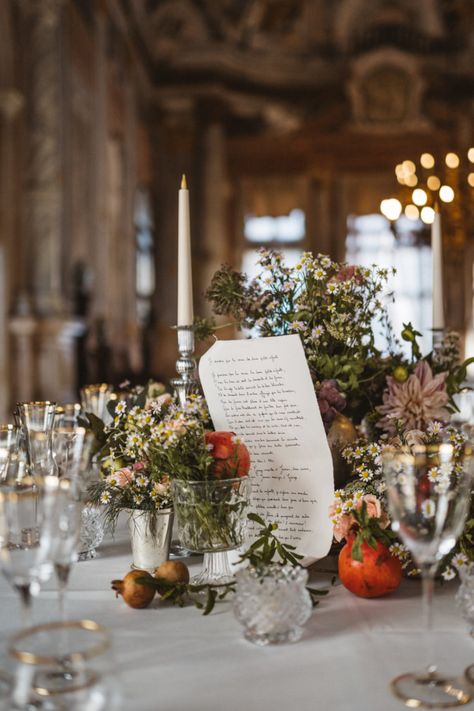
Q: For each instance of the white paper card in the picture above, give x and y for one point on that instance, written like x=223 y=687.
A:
x=261 y=389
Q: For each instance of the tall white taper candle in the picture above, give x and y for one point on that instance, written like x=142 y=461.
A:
x=437 y=254
x=185 y=277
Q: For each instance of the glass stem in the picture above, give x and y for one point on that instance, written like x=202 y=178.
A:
x=26 y=597
x=62 y=573
x=428 y=573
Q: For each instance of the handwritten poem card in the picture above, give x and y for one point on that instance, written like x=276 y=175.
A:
x=261 y=389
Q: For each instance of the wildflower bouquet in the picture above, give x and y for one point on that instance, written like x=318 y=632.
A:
x=150 y=440
x=367 y=489
x=331 y=305
x=336 y=308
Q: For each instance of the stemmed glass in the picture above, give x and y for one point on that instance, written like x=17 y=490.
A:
x=28 y=519
x=9 y=443
x=37 y=420
x=63 y=665
x=68 y=451
x=428 y=490
x=212 y=520
x=95 y=398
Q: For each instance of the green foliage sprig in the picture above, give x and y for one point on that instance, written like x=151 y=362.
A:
x=265 y=550
x=369 y=532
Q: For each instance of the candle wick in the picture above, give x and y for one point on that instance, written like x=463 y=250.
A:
x=184 y=183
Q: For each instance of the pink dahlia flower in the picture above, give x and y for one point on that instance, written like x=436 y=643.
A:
x=416 y=402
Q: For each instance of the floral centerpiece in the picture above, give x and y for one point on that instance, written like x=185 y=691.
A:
x=336 y=309
x=367 y=487
x=152 y=445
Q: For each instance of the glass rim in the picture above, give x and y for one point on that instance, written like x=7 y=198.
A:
x=36 y=403
x=206 y=482
x=33 y=658
x=99 y=387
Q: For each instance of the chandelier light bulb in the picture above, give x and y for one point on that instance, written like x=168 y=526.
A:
x=419 y=197
x=391 y=208
x=452 y=160
x=427 y=160
x=409 y=166
x=433 y=182
x=446 y=193
x=412 y=212
x=411 y=180
x=470 y=179
x=427 y=215
x=470 y=155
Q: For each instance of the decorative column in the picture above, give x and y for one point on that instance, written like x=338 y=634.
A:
x=45 y=186
x=11 y=102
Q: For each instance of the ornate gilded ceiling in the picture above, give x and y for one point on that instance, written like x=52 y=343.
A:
x=373 y=57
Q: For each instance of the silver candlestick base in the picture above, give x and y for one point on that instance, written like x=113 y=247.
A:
x=186 y=383
x=438 y=340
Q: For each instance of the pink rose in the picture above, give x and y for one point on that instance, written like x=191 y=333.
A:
x=138 y=466
x=375 y=510
x=122 y=477
x=343 y=527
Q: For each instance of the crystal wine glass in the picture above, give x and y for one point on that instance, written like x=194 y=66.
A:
x=63 y=665
x=37 y=420
x=28 y=511
x=95 y=398
x=9 y=443
x=428 y=490
x=212 y=520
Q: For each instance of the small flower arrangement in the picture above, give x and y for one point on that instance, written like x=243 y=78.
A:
x=366 y=494
x=149 y=441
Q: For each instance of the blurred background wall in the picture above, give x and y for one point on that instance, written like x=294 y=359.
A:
x=288 y=118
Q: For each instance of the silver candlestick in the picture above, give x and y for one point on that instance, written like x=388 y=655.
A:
x=186 y=383
x=438 y=340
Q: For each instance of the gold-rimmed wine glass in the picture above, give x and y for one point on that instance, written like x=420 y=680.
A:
x=28 y=521
x=428 y=492
x=63 y=665
x=37 y=420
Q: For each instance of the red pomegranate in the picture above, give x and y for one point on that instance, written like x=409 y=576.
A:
x=379 y=573
x=231 y=456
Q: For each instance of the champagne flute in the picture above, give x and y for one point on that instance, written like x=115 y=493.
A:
x=27 y=520
x=428 y=490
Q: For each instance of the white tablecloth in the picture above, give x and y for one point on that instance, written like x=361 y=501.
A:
x=173 y=659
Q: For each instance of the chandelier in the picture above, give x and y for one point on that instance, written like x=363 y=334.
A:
x=437 y=182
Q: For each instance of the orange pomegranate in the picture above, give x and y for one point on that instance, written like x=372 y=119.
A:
x=379 y=573
x=231 y=456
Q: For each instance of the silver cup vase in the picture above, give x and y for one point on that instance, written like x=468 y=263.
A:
x=150 y=543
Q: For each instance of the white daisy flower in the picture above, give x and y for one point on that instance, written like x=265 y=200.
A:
x=366 y=475
x=141 y=480
x=358 y=496
x=428 y=508
x=317 y=332
x=448 y=573
x=105 y=497
x=459 y=561
x=120 y=407
x=319 y=274
x=434 y=474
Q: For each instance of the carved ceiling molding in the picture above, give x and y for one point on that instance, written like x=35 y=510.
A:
x=386 y=90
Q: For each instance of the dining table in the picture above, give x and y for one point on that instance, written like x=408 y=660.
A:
x=171 y=658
